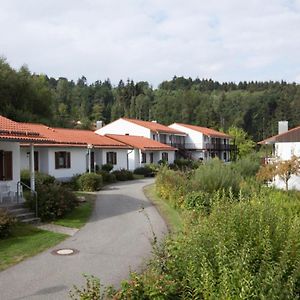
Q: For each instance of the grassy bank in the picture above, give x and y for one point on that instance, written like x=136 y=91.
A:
x=170 y=214
x=26 y=241
x=80 y=214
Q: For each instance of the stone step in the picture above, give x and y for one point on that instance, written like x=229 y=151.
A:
x=24 y=216
x=31 y=221
x=17 y=211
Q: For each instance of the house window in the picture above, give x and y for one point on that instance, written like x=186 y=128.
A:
x=153 y=137
x=151 y=158
x=111 y=158
x=225 y=156
x=165 y=156
x=144 y=158
x=6 y=165
x=62 y=160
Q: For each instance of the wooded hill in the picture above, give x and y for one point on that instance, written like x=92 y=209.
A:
x=254 y=106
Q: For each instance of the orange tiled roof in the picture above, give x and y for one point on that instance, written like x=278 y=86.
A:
x=206 y=131
x=11 y=130
x=154 y=126
x=75 y=137
x=140 y=142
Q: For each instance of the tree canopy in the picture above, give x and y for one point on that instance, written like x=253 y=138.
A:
x=256 y=107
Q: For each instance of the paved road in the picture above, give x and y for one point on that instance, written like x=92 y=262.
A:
x=114 y=241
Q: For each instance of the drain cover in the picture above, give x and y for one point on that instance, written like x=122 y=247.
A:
x=65 y=251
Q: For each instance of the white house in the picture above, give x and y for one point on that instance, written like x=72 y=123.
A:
x=145 y=150
x=151 y=130
x=204 y=143
x=74 y=152
x=284 y=145
x=11 y=135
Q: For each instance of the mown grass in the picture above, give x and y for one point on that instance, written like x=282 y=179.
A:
x=170 y=214
x=26 y=241
x=79 y=215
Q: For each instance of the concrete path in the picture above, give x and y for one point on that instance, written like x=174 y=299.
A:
x=58 y=228
x=114 y=241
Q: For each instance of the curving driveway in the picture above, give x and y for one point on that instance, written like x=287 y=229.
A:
x=114 y=241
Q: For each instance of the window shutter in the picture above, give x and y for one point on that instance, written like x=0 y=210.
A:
x=68 y=159
x=56 y=160
x=8 y=166
x=107 y=158
x=115 y=158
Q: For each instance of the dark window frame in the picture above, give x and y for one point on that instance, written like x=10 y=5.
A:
x=6 y=165
x=143 y=158
x=165 y=156
x=62 y=160
x=111 y=158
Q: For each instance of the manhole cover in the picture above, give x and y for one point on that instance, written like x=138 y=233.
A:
x=65 y=251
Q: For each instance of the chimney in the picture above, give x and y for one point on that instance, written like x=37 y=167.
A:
x=283 y=126
x=99 y=124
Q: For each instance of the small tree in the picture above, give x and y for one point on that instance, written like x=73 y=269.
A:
x=283 y=169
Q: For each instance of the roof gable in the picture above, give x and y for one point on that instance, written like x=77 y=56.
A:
x=154 y=126
x=141 y=142
x=205 y=130
x=293 y=135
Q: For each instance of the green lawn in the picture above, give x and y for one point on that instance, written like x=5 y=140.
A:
x=24 y=242
x=78 y=216
x=171 y=215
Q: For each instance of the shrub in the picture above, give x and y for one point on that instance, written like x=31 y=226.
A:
x=146 y=171
x=107 y=177
x=245 y=250
x=172 y=185
x=6 y=223
x=199 y=201
x=90 y=182
x=186 y=164
x=122 y=175
x=107 y=167
x=54 y=201
x=73 y=183
x=215 y=175
x=247 y=167
x=40 y=178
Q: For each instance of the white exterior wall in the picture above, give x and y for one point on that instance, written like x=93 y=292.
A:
x=14 y=147
x=123 y=127
x=121 y=158
x=285 y=151
x=43 y=158
x=78 y=163
x=133 y=159
x=193 y=140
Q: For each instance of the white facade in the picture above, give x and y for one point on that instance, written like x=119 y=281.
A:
x=14 y=147
x=198 y=143
x=284 y=151
x=78 y=160
x=124 y=127
x=135 y=158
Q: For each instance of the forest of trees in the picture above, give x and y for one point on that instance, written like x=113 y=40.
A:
x=254 y=106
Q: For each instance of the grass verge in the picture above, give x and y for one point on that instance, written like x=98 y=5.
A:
x=170 y=215
x=79 y=215
x=26 y=241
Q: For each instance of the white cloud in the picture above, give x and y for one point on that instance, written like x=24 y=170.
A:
x=153 y=40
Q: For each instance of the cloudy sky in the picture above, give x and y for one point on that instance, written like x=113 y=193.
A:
x=153 y=40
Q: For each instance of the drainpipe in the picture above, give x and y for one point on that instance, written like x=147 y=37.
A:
x=31 y=167
x=128 y=158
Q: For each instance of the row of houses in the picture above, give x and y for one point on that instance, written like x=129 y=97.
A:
x=124 y=143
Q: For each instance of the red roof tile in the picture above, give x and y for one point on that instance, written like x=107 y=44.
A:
x=140 y=142
x=10 y=130
x=154 y=126
x=206 y=131
x=75 y=137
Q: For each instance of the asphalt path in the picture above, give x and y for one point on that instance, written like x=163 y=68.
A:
x=116 y=240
